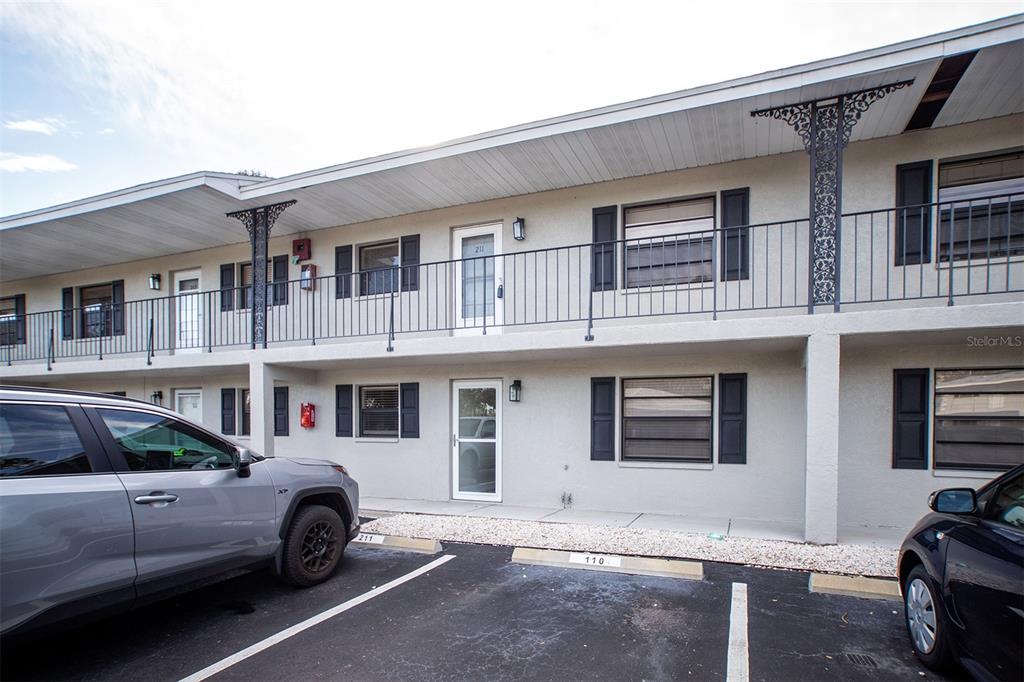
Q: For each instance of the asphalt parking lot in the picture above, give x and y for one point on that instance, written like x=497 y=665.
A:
x=477 y=616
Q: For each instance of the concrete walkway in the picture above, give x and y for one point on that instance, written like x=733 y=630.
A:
x=745 y=528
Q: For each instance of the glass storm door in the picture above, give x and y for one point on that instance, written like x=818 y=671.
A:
x=478 y=276
x=189 y=403
x=476 y=445
x=189 y=313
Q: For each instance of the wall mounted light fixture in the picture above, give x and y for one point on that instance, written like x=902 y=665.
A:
x=515 y=391
x=154 y=281
x=519 y=229
x=156 y=397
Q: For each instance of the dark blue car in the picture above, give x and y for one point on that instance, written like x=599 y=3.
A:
x=961 y=570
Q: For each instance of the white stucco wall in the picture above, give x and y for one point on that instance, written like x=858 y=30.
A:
x=871 y=493
x=546 y=439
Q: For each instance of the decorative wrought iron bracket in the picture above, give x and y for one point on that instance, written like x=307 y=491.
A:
x=258 y=223
x=824 y=127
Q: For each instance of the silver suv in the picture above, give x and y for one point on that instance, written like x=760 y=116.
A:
x=109 y=502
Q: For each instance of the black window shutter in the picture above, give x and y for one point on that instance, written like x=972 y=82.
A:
x=735 y=244
x=227 y=287
x=732 y=419
x=410 y=262
x=280 y=410
x=67 y=315
x=279 y=273
x=409 y=399
x=605 y=233
x=227 y=411
x=343 y=272
x=117 y=307
x=910 y=419
x=343 y=410
x=19 y=318
x=602 y=418
x=913 y=221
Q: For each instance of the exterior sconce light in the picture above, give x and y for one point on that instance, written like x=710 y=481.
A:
x=519 y=229
x=515 y=391
x=156 y=397
x=154 y=282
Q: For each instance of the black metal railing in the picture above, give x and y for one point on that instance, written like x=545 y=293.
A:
x=940 y=250
x=947 y=250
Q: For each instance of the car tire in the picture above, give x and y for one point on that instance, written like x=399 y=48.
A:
x=926 y=621
x=313 y=546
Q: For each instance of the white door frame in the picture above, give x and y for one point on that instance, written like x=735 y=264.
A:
x=187 y=391
x=475 y=325
x=496 y=384
x=195 y=300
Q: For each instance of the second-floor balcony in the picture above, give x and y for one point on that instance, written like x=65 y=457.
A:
x=930 y=254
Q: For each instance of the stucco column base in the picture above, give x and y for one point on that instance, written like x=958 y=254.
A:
x=261 y=397
x=821 y=481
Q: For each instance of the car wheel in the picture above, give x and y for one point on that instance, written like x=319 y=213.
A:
x=926 y=621
x=313 y=547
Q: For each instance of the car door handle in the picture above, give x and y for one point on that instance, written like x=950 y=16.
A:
x=155 y=497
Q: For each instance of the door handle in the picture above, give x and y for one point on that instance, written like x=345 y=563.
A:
x=155 y=497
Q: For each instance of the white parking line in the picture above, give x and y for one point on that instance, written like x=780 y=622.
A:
x=245 y=653
x=738 y=666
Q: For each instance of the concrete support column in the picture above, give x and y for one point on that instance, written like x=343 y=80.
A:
x=261 y=397
x=821 y=491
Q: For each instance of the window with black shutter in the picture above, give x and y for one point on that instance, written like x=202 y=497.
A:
x=602 y=419
x=227 y=287
x=378 y=411
x=67 y=315
x=343 y=410
x=605 y=234
x=410 y=262
x=732 y=419
x=117 y=307
x=668 y=243
x=979 y=418
x=410 y=410
x=227 y=411
x=913 y=213
x=280 y=410
x=667 y=419
x=277 y=282
x=981 y=208
x=100 y=310
x=279 y=276
x=12 y=320
x=245 y=398
x=910 y=419
x=343 y=272
x=736 y=242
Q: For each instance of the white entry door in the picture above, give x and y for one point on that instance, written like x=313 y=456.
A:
x=476 y=440
x=189 y=311
x=479 y=277
x=188 y=402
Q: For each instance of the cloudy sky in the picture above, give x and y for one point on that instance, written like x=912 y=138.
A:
x=99 y=96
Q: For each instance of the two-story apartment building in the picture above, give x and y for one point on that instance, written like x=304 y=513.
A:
x=793 y=298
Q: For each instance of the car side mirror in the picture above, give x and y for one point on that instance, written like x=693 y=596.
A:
x=243 y=460
x=953 y=501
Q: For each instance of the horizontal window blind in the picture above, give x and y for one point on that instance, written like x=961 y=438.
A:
x=979 y=419
x=667 y=419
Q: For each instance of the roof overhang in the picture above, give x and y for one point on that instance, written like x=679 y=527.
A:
x=696 y=127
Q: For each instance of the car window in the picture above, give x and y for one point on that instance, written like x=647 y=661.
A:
x=152 y=442
x=39 y=440
x=1008 y=505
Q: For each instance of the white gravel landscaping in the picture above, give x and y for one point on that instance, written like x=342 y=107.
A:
x=846 y=559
